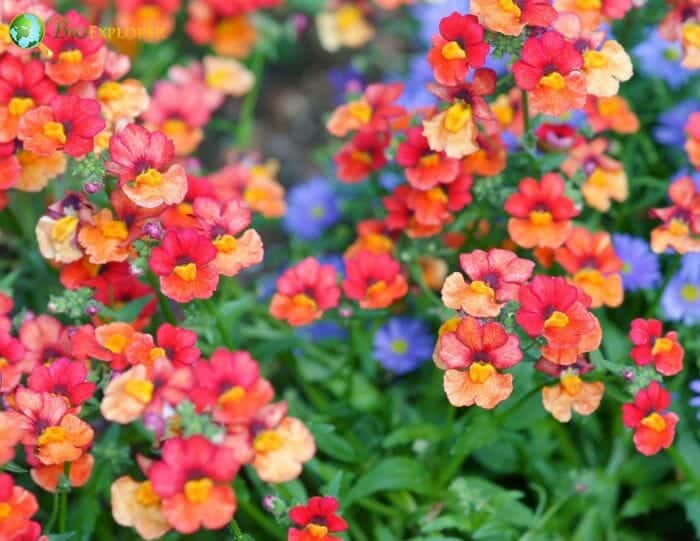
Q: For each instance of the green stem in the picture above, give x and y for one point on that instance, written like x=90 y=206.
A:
x=163 y=301
x=236 y=530
x=63 y=514
x=54 y=513
x=526 y=112
x=244 y=130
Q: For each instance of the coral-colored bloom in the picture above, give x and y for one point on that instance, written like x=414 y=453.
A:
x=184 y=264
x=424 y=169
x=17 y=506
x=592 y=13
x=611 y=113
x=227 y=75
x=692 y=145
x=105 y=239
x=44 y=339
x=495 y=277
x=107 y=343
x=304 y=292
x=47 y=477
x=64 y=378
x=591 y=260
x=654 y=428
x=36 y=171
x=127 y=395
x=176 y=344
x=316 y=520
x=362 y=155
x=651 y=346
x=12 y=364
x=192 y=479
x=572 y=393
x=135 y=504
x=10 y=436
x=151 y=20
x=509 y=17
x=557 y=310
x=373 y=112
x=549 y=70
x=681 y=220
x=122 y=101
x=473 y=355
x=489 y=160
x=458 y=47
x=141 y=159
x=374 y=280
x=229 y=35
x=263 y=193
x=540 y=212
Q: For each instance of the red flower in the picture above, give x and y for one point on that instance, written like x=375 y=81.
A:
x=459 y=46
x=315 y=520
x=361 y=156
x=11 y=362
x=651 y=346
x=424 y=168
x=653 y=429
x=183 y=263
x=17 y=506
x=63 y=378
x=304 y=292
x=373 y=112
x=556 y=137
x=178 y=344
x=681 y=221
x=374 y=280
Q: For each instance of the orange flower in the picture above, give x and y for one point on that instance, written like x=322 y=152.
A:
x=135 y=504
x=681 y=220
x=105 y=239
x=280 y=451
x=434 y=270
x=10 y=435
x=611 y=113
x=37 y=171
x=17 y=506
x=509 y=17
x=123 y=100
x=227 y=75
x=152 y=21
x=65 y=442
x=572 y=393
x=47 y=477
x=107 y=343
x=127 y=395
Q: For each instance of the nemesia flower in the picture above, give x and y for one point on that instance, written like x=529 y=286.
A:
x=556 y=137
x=489 y=160
x=107 y=343
x=611 y=113
x=345 y=26
x=507 y=109
x=12 y=364
x=229 y=34
x=458 y=47
x=36 y=171
x=47 y=477
x=372 y=112
x=424 y=169
x=63 y=378
x=510 y=17
x=44 y=339
x=127 y=395
x=402 y=344
x=316 y=520
x=152 y=20
x=192 y=480
x=17 y=506
x=10 y=166
x=692 y=145
x=654 y=428
x=651 y=347
x=540 y=213
x=681 y=221
x=135 y=504
x=304 y=292
x=184 y=263
x=227 y=75
x=640 y=266
x=473 y=355
x=122 y=101
x=605 y=68
x=374 y=280
x=690 y=39
x=495 y=277
x=105 y=239
x=571 y=393
x=558 y=311
x=10 y=436
x=141 y=159
x=549 y=70
x=362 y=155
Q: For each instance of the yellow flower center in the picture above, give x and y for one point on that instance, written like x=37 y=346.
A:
x=140 y=389
x=186 y=209
x=5 y=33
x=572 y=384
x=554 y=80
x=110 y=91
x=360 y=110
x=116 y=343
x=233 y=395
x=114 y=229
x=480 y=372
x=52 y=434
x=19 y=106
x=449 y=326
x=377 y=243
x=347 y=17
x=654 y=421
x=589 y=276
x=361 y=156
x=594 y=59
x=482 y=288
x=198 y=491
x=457 y=116
x=690 y=292
x=71 y=57
x=225 y=243
x=267 y=441
x=146 y=496
x=558 y=320
x=430 y=160
x=149 y=13
x=504 y=113
x=3 y=362
x=678 y=228
x=589 y=5
x=304 y=301
x=54 y=131
x=662 y=345
x=437 y=194
x=691 y=34
x=453 y=51
x=174 y=127
x=254 y=195
x=599 y=178
x=156 y=353
x=376 y=288
x=150 y=177
x=5 y=510
x=64 y=228
x=399 y=346
x=186 y=272
x=609 y=106
x=540 y=217
x=316 y=530
x=510 y=7
x=217 y=78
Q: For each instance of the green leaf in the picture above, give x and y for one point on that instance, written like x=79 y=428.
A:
x=411 y=433
x=128 y=312
x=396 y=473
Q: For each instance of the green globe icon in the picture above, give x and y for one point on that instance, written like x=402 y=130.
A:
x=26 y=30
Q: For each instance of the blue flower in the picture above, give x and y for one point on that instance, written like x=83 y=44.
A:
x=345 y=81
x=660 y=58
x=402 y=344
x=695 y=401
x=641 y=266
x=323 y=330
x=415 y=93
x=681 y=298
x=312 y=207
x=670 y=127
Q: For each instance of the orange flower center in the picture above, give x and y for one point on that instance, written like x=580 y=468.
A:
x=225 y=243
x=347 y=17
x=146 y=496
x=186 y=209
x=174 y=127
x=540 y=217
x=678 y=227
x=156 y=353
x=609 y=106
x=654 y=421
x=186 y=272
x=302 y=300
x=360 y=110
x=254 y=195
x=482 y=288
x=691 y=34
x=52 y=434
x=480 y=372
x=453 y=51
x=150 y=177
x=589 y=276
x=690 y=293
x=110 y=91
x=510 y=7
x=594 y=60
x=572 y=384
x=558 y=320
x=599 y=178
x=19 y=106
x=457 y=117
x=430 y=160
x=3 y=362
x=267 y=441
x=198 y=491
x=449 y=326
x=662 y=345
x=554 y=80
x=5 y=510
x=504 y=113
x=377 y=243
x=54 y=131
x=233 y=395
x=316 y=530
x=361 y=156
x=148 y=13
x=64 y=228
x=589 y=5
x=437 y=195
x=114 y=229
x=140 y=389
x=74 y=56
x=376 y=288
x=116 y=343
